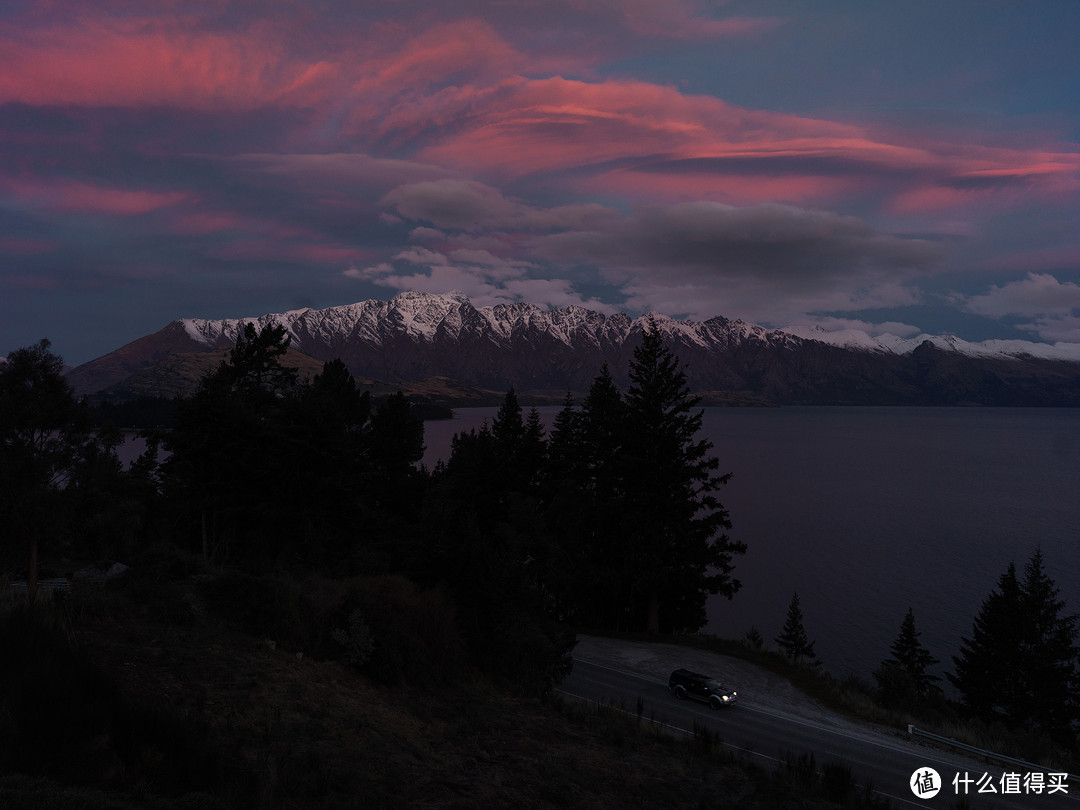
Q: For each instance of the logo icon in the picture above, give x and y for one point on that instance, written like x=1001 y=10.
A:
x=925 y=783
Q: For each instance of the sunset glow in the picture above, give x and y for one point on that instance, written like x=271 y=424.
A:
x=518 y=151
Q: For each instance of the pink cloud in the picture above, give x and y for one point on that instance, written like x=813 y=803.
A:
x=76 y=197
x=723 y=188
x=101 y=61
x=204 y=223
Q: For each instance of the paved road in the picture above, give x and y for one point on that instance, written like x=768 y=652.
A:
x=885 y=763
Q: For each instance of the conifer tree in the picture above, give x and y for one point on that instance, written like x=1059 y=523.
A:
x=601 y=432
x=228 y=450
x=47 y=442
x=1020 y=664
x=564 y=450
x=1051 y=657
x=674 y=525
x=988 y=668
x=792 y=639
x=903 y=678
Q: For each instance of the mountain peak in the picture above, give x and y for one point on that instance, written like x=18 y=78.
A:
x=418 y=335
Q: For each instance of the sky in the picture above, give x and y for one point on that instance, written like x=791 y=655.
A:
x=898 y=168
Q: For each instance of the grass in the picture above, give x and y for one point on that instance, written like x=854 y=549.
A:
x=201 y=713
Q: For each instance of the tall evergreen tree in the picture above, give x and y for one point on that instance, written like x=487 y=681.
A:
x=395 y=446
x=1021 y=663
x=564 y=450
x=793 y=639
x=602 y=433
x=228 y=449
x=903 y=678
x=486 y=539
x=50 y=451
x=591 y=515
x=988 y=669
x=1050 y=657
x=676 y=550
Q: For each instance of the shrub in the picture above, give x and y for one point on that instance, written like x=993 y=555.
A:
x=61 y=717
x=262 y=605
x=411 y=632
x=160 y=580
x=356 y=640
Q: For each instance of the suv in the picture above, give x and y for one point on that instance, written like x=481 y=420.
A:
x=686 y=684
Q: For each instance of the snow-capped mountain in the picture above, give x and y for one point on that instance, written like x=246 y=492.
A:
x=417 y=335
x=856 y=339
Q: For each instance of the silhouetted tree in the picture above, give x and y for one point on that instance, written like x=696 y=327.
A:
x=50 y=453
x=1051 y=657
x=989 y=665
x=487 y=544
x=1020 y=664
x=792 y=639
x=675 y=546
x=903 y=678
x=228 y=446
x=396 y=440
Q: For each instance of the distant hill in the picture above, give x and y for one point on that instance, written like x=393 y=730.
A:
x=466 y=355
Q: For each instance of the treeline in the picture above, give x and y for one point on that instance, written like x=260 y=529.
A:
x=612 y=522
x=1019 y=670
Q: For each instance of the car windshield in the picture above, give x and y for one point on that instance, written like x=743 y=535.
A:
x=714 y=685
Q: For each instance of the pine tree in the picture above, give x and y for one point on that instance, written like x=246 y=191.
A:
x=564 y=450
x=903 y=678
x=988 y=669
x=601 y=431
x=792 y=639
x=674 y=526
x=1021 y=663
x=1050 y=657
x=229 y=450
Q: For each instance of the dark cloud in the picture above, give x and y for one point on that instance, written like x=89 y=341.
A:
x=766 y=241
x=772 y=165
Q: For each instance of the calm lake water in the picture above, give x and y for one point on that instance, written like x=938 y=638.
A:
x=867 y=511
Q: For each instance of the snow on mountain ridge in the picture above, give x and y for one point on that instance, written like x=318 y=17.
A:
x=894 y=344
x=425 y=318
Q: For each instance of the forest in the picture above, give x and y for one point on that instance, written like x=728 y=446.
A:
x=303 y=513
x=611 y=523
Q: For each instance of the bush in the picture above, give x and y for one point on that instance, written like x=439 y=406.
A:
x=160 y=580
x=356 y=640
x=61 y=718
x=262 y=605
x=409 y=634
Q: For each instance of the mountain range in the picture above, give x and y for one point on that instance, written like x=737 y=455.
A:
x=443 y=344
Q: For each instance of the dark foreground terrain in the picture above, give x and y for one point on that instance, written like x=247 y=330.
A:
x=108 y=704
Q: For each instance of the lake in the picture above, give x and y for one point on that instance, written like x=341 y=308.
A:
x=867 y=511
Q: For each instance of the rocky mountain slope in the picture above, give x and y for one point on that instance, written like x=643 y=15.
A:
x=416 y=336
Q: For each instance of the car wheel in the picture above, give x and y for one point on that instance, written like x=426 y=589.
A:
x=680 y=692
x=714 y=702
